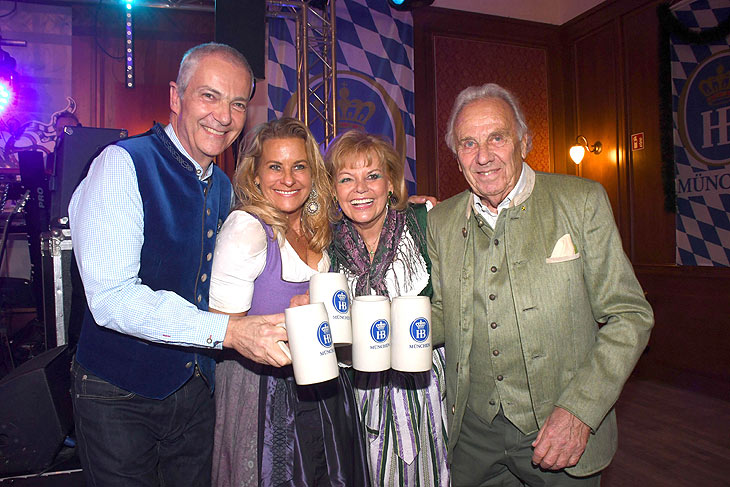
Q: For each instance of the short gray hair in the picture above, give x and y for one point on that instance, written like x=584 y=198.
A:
x=489 y=90
x=193 y=56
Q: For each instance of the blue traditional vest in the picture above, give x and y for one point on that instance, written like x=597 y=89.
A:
x=182 y=216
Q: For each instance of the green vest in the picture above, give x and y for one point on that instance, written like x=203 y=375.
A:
x=499 y=379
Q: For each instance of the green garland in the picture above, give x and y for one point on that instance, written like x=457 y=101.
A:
x=669 y=25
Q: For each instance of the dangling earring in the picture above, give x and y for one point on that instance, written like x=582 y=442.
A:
x=389 y=200
x=312 y=205
x=339 y=208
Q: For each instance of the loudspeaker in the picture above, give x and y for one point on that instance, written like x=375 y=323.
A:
x=33 y=177
x=242 y=24
x=75 y=151
x=35 y=412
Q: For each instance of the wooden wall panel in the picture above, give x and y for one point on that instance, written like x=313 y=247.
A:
x=595 y=58
x=688 y=345
x=461 y=63
x=454 y=50
x=161 y=38
x=652 y=227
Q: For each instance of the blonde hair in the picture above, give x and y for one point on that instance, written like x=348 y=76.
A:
x=250 y=198
x=375 y=150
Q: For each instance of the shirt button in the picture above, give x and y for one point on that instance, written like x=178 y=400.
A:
x=207 y=211
x=209 y=256
x=204 y=278
x=492 y=297
x=492 y=402
x=210 y=233
x=188 y=365
x=453 y=409
x=495 y=352
x=496 y=241
x=493 y=325
x=198 y=172
x=200 y=297
x=500 y=377
x=494 y=268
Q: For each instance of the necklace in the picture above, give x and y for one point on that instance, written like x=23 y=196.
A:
x=304 y=255
x=374 y=245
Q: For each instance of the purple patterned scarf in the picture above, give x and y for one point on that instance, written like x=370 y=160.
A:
x=348 y=251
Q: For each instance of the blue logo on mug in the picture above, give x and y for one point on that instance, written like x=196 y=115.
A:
x=379 y=331
x=340 y=301
x=324 y=335
x=419 y=329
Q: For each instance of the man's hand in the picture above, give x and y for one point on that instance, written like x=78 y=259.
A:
x=415 y=199
x=256 y=337
x=561 y=441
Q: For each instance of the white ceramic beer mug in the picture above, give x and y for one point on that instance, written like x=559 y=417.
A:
x=411 y=342
x=310 y=344
x=330 y=288
x=371 y=333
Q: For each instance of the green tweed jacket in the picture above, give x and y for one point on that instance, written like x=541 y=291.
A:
x=583 y=319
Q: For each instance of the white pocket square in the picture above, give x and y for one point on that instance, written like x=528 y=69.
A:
x=563 y=251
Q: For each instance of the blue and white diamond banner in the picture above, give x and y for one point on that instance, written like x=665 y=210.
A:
x=374 y=74
x=701 y=110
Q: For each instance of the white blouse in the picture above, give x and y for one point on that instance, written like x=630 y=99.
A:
x=240 y=257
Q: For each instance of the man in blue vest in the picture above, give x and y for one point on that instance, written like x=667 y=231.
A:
x=144 y=224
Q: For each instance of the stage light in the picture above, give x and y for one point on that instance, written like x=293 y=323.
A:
x=6 y=96
x=129 y=47
x=408 y=4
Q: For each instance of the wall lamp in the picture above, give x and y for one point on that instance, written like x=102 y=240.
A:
x=581 y=146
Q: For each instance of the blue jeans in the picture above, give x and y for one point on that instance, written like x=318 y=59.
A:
x=127 y=440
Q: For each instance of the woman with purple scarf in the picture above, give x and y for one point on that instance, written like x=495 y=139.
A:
x=269 y=431
x=379 y=244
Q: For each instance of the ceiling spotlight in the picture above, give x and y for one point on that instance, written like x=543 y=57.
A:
x=408 y=4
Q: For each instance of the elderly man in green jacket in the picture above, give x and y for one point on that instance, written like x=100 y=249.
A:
x=537 y=303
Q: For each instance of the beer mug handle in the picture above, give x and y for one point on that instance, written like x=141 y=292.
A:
x=284 y=348
x=282 y=344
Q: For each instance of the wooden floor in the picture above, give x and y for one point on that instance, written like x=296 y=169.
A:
x=670 y=437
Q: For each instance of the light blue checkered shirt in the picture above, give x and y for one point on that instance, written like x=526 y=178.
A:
x=107 y=230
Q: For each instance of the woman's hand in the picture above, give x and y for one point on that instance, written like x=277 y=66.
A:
x=299 y=300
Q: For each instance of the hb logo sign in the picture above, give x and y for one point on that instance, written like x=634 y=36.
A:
x=419 y=329
x=379 y=331
x=324 y=335
x=340 y=301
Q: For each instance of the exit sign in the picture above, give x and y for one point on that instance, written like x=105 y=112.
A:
x=637 y=141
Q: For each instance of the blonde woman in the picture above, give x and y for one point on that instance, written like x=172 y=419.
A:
x=269 y=431
x=379 y=244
